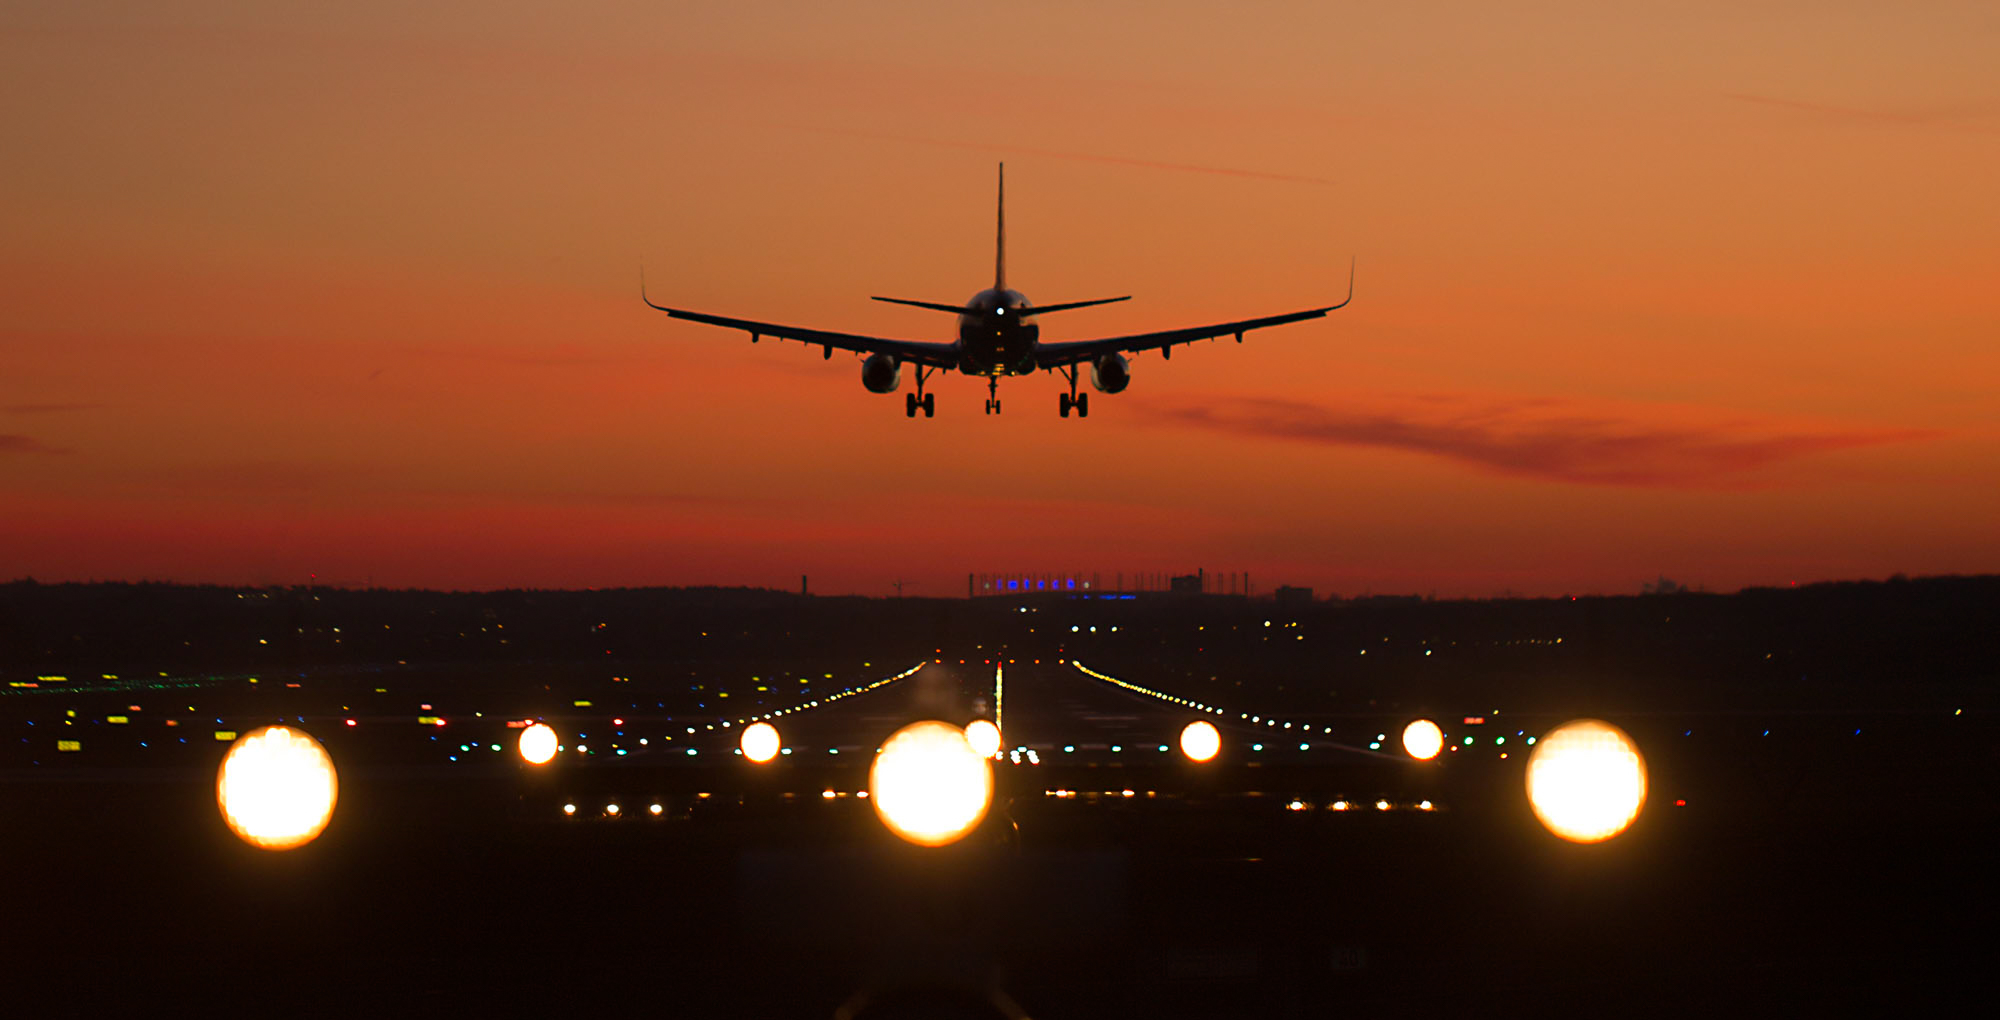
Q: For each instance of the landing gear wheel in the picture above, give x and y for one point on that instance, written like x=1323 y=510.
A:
x=1082 y=403
x=989 y=405
x=930 y=405
x=1062 y=404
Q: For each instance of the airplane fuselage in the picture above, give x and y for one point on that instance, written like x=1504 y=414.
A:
x=997 y=334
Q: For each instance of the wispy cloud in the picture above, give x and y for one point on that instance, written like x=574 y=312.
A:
x=1548 y=439
x=1955 y=119
x=1087 y=157
x=25 y=444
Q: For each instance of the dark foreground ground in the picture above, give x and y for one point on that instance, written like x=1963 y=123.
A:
x=1824 y=851
x=1831 y=873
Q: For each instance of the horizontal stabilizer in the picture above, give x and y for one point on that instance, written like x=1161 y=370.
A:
x=1067 y=305
x=933 y=305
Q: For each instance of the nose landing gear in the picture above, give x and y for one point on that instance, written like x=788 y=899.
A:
x=992 y=394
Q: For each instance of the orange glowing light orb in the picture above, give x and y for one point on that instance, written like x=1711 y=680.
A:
x=1586 y=781
x=276 y=788
x=760 y=742
x=984 y=737
x=1423 y=739
x=538 y=744
x=928 y=785
x=1200 y=741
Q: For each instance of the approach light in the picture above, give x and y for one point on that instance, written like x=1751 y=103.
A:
x=1423 y=739
x=1586 y=781
x=929 y=785
x=276 y=788
x=760 y=742
x=537 y=744
x=983 y=736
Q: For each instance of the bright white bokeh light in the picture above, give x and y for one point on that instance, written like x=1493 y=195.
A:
x=538 y=744
x=1586 y=781
x=1200 y=741
x=276 y=788
x=984 y=737
x=760 y=742
x=1423 y=739
x=928 y=785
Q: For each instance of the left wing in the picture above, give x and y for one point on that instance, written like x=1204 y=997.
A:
x=939 y=355
x=1054 y=355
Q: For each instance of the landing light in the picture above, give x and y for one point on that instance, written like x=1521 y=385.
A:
x=538 y=744
x=928 y=784
x=276 y=788
x=984 y=737
x=1423 y=739
x=1586 y=781
x=760 y=742
x=1200 y=741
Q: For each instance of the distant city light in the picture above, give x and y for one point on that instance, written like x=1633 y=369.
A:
x=1200 y=740
x=1423 y=739
x=1586 y=781
x=929 y=785
x=760 y=742
x=276 y=788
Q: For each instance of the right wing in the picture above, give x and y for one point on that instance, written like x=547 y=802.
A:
x=1070 y=352
x=939 y=355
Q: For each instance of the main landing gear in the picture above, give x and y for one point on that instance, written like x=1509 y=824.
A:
x=927 y=401
x=1080 y=401
x=992 y=394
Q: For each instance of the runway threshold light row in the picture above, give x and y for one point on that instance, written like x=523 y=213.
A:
x=931 y=782
x=1586 y=782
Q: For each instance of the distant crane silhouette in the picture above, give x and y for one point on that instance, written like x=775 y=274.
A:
x=898 y=585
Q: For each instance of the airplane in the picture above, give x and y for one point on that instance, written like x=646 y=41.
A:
x=998 y=336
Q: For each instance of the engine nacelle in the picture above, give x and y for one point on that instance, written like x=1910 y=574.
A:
x=1110 y=374
x=881 y=373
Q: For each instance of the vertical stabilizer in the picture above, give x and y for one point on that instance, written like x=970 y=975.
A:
x=1000 y=242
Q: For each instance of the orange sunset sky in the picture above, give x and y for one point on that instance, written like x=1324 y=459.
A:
x=352 y=289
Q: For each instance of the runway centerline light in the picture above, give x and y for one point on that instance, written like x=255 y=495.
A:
x=276 y=788
x=929 y=785
x=1586 y=781
x=984 y=737
x=537 y=744
x=1200 y=740
x=1423 y=740
x=760 y=742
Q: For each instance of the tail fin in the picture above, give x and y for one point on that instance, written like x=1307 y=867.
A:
x=1000 y=244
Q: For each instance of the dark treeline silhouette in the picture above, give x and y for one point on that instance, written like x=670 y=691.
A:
x=1861 y=641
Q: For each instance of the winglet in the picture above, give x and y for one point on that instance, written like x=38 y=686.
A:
x=642 y=292
x=1350 y=285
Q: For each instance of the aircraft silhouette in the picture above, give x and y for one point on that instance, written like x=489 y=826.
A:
x=998 y=336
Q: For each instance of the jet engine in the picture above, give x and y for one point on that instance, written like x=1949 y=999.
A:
x=1110 y=374
x=881 y=373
